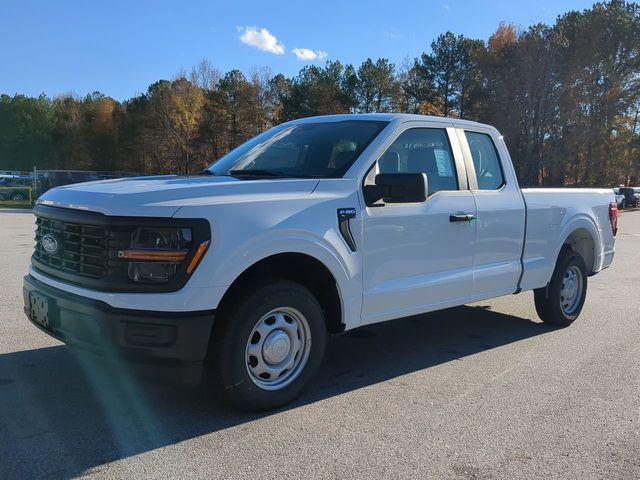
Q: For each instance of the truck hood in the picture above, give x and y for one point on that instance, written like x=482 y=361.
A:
x=163 y=196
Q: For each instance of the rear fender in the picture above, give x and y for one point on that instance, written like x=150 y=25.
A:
x=582 y=222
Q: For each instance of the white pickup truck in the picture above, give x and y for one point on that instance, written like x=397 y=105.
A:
x=316 y=226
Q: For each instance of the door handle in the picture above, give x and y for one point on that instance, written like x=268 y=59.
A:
x=461 y=217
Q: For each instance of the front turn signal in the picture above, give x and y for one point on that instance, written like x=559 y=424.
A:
x=150 y=255
x=198 y=256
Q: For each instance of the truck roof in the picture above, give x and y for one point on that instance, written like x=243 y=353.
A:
x=386 y=117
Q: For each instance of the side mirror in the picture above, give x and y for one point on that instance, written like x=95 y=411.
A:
x=397 y=188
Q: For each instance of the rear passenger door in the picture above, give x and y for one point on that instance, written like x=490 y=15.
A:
x=500 y=212
x=415 y=257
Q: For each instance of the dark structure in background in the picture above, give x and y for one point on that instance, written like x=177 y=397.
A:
x=631 y=199
x=25 y=187
x=47 y=179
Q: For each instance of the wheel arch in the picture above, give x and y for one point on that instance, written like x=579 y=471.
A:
x=582 y=236
x=302 y=268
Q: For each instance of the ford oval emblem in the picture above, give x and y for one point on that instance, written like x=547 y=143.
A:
x=49 y=243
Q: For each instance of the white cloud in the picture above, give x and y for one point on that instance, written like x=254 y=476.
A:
x=394 y=34
x=308 y=54
x=262 y=39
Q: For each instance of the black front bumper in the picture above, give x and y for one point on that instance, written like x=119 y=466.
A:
x=176 y=341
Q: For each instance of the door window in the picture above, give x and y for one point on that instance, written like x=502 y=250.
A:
x=485 y=161
x=422 y=150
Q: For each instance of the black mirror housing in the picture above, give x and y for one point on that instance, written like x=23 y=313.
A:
x=397 y=188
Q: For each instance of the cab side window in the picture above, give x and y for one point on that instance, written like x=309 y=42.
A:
x=422 y=150
x=485 y=161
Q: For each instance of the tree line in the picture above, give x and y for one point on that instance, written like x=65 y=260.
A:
x=566 y=98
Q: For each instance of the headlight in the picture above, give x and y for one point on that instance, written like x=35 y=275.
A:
x=155 y=254
x=161 y=239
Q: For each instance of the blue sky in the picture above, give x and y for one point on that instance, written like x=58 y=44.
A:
x=120 y=47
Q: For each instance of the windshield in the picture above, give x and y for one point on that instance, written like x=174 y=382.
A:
x=306 y=150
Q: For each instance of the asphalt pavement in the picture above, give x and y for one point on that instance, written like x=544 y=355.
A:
x=483 y=391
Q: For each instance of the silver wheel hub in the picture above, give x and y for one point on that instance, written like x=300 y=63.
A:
x=278 y=348
x=571 y=290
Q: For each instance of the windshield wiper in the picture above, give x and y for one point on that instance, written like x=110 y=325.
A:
x=257 y=172
x=206 y=171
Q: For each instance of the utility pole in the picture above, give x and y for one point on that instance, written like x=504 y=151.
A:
x=34 y=181
x=634 y=131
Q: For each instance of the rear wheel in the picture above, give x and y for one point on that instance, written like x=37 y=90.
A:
x=561 y=302
x=266 y=345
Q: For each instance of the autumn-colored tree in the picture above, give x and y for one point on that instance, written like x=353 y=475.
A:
x=600 y=83
x=175 y=110
x=205 y=75
x=523 y=103
x=416 y=90
x=566 y=98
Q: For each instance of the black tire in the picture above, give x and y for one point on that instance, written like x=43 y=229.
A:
x=549 y=300
x=228 y=365
x=623 y=205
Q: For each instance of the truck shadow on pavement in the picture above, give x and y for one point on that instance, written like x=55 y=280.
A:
x=62 y=416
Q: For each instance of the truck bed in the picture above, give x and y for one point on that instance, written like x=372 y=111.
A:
x=552 y=215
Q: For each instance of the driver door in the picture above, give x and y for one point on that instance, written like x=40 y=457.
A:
x=419 y=256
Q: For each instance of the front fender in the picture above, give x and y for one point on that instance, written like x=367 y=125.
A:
x=342 y=266
x=330 y=250
x=247 y=231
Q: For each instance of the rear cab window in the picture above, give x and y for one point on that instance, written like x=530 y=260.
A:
x=485 y=160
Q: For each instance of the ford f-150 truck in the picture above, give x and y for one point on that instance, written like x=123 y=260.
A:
x=316 y=226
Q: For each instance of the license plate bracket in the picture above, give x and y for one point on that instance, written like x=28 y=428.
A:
x=39 y=311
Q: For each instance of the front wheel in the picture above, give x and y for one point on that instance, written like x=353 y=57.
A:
x=267 y=344
x=561 y=302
